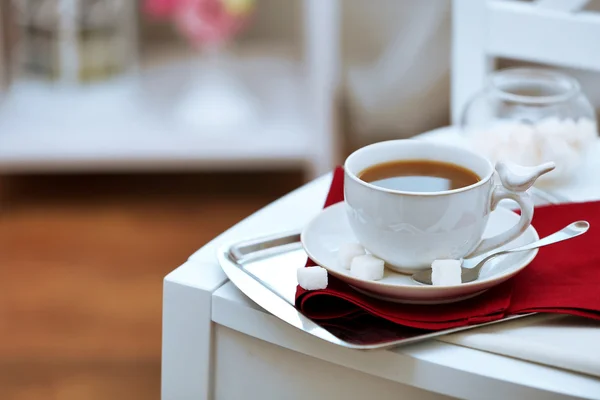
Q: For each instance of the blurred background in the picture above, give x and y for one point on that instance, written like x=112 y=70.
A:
x=134 y=132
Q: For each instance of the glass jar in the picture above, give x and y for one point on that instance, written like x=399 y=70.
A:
x=74 y=42
x=530 y=116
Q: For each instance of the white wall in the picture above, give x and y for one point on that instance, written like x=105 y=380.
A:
x=395 y=60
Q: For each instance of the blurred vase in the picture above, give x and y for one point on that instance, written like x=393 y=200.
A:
x=217 y=99
x=530 y=116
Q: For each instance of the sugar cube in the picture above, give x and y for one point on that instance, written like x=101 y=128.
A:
x=367 y=267
x=312 y=278
x=347 y=252
x=446 y=272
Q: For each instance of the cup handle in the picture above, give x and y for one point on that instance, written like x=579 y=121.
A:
x=525 y=203
x=515 y=180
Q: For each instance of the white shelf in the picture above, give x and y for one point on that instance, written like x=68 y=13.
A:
x=128 y=124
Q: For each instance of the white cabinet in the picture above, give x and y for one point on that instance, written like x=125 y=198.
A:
x=126 y=123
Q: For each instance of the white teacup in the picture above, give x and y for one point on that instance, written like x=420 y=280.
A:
x=409 y=230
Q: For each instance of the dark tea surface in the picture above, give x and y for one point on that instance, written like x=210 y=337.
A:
x=419 y=176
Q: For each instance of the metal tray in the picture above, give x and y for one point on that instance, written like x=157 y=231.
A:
x=264 y=269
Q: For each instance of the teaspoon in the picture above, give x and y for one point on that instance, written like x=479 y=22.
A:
x=470 y=273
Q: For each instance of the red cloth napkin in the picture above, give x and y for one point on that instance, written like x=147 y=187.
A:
x=564 y=278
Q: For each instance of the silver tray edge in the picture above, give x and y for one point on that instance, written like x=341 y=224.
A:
x=267 y=298
x=233 y=255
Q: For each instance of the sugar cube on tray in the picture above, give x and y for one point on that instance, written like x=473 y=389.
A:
x=367 y=267
x=347 y=252
x=446 y=272
x=312 y=278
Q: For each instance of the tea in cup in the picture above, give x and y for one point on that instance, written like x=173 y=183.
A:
x=410 y=202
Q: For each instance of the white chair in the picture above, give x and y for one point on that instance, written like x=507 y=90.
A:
x=557 y=33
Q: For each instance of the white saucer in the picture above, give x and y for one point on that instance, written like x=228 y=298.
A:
x=323 y=236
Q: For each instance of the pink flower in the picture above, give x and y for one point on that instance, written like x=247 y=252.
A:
x=201 y=21
x=161 y=8
x=207 y=21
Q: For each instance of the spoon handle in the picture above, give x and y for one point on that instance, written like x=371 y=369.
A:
x=570 y=231
x=470 y=274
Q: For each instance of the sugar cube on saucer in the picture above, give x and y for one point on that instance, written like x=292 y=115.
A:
x=312 y=278
x=446 y=272
x=347 y=252
x=367 y=267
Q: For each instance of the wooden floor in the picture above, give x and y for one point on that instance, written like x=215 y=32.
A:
x=82 y=261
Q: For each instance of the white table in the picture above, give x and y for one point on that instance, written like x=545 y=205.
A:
x=217 y=344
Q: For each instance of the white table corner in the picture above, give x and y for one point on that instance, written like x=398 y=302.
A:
x=212 y=333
